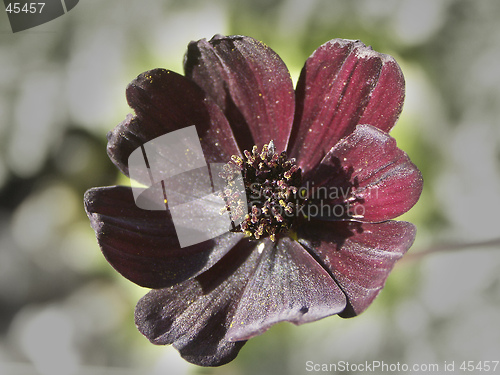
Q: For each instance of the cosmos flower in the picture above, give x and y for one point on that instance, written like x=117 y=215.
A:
x=319 y=242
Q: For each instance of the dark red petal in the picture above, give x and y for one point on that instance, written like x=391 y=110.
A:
x=250 y=83
x=142 y=245
x=360 y=256
x=343 y=83
x=379 y=177
x=165 y=101
x=195 y=315
x=288 y=285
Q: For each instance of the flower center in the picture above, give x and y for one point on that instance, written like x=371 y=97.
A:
x=271 y=183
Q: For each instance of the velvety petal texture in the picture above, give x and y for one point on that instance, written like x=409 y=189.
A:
x=372 y=178
x=142 y=245
x=251 y=84
x=343 y=83
x=165 y=101
x=195 y=315
x=359 y=256
x=288 y=285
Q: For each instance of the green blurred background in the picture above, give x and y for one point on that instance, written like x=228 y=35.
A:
x=63 y=310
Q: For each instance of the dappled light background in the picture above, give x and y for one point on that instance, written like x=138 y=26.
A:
x=63 y=310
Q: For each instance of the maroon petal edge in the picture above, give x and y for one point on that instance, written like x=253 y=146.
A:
x=342 y=84
x=368 y=175
x=165 y=101
x=251 y=84
x=288 y=285
x=359 y=256
x=194 y=316
x=142 y=245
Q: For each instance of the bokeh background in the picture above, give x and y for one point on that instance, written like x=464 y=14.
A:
x=63 y=310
